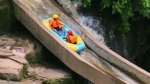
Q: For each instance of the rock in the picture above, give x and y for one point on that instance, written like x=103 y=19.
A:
x=31 y=47
x=12 y=82
x=34 y=55
x=77 y=4
x=60 y=81
x=18 y=51
x=69 y=8
x=5 y=54
x=10 y=42
x=47 y=74
x=21 y=54
x=19 y=59
x=10 y=70
x=7 y=41
x=15 y=46
x=3 y=43
x=5 y=50
x=31 y=81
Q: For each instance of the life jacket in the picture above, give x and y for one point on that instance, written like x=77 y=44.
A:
x=73 y=39
x=55 y=23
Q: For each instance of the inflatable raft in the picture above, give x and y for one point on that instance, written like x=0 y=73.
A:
x=76 y=47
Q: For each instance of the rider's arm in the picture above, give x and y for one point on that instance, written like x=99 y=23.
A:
x=68 y=39
x=50 y=24
x=60 y=22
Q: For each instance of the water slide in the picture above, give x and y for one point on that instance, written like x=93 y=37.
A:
x=87 y=63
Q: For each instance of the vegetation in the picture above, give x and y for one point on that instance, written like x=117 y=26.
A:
x=1 y=6
x=34 y=57
x=25 y=72
x=60 y=81
x=127 y=10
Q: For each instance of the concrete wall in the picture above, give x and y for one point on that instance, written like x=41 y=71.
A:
x=101 y=50
x=65 y=54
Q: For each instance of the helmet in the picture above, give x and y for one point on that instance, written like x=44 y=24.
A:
x=55 y=16
x=70 y=32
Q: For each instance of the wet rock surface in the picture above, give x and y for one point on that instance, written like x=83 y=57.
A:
x=19 y=59
x=10 y=69
x=15 y=55
x=69 y=8
x=12 y=56
x=12 y=82
x=45 y=74
x=5 y=54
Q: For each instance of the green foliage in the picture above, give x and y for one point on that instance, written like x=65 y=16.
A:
x=35 y=77
x=34 y=57
x=25 y=71
x=145 y=8
x=126 y=9
x=1 y=6
x=85 y=2
x=107 y=3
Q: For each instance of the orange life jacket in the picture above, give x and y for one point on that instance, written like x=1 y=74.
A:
x=73 y=39
x=55 y=23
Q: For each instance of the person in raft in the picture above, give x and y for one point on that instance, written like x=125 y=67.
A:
x=56 y=25
x=71 y=38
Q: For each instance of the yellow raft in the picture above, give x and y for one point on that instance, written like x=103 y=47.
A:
x=76 y=47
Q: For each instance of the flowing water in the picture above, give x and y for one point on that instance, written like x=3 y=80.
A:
x=41 y=9
x=88 y=22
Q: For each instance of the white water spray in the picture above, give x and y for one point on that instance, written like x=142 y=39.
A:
x=91 y=25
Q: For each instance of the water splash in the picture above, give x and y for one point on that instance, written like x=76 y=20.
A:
x=93 y=26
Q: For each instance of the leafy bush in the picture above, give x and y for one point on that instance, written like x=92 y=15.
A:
x=126 y=9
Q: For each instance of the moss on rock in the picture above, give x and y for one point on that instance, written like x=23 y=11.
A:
x=60 y=81
x=35 y=57
x=25 y=72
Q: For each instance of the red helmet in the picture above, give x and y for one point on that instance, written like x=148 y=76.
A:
x=70 y=32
